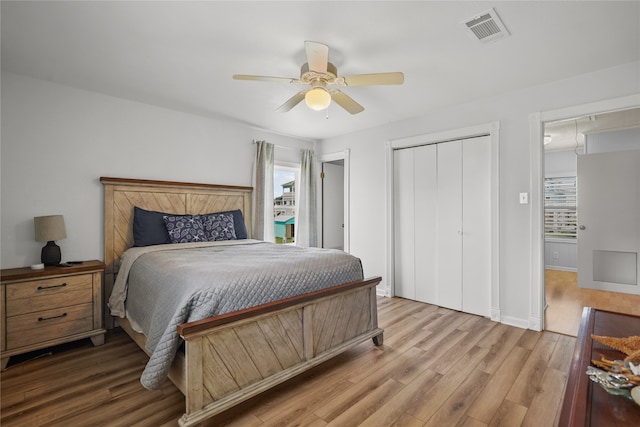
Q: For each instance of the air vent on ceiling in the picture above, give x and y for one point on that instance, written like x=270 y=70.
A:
x=486 y=26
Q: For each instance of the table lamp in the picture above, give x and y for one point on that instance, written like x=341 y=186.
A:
x=48 y=229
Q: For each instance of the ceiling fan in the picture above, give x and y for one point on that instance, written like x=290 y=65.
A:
x=319 y=73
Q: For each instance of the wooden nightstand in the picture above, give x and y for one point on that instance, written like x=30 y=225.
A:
x=42 y=308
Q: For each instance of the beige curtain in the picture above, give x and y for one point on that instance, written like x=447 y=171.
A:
x=262 y=224
x=306 y=215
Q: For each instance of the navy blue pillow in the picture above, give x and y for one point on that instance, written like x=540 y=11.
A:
x=149 y=228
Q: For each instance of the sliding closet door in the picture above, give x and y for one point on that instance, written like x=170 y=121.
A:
x=404 y=213
x=449 y=228
x=425 y=222
x=476 y=226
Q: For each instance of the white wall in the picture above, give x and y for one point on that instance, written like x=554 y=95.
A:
x=368 y=174
x=620 y=140
x=58 y=141
x=560 y=163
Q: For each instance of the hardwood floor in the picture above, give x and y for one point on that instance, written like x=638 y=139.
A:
x=565 y=302
x=437 y=367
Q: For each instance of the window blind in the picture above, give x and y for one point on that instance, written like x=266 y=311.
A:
x=560 y=203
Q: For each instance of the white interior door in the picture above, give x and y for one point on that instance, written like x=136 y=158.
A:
x=609 y=221
x=476 y=226
x=425 y=222
x=333 y=205
x=449 y=229
x=404 y=216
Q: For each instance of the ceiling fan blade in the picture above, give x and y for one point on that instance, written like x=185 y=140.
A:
x=264 y=78
x=317 y=56
x=292 y=102
x=346 y=102
x=396 y=78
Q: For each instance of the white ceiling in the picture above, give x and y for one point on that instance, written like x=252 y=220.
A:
x=181 y=55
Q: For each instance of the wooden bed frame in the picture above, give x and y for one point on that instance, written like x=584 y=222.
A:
x=233 y=357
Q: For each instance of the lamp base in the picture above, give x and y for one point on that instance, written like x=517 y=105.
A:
x=51 y=254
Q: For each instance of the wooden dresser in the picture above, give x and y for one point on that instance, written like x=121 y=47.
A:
x=585 y=402
x=42 y=308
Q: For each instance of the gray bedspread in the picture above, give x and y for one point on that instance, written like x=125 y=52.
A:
x=166 y=285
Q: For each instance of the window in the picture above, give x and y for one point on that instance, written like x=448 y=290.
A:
x=560 y=203
x=284 y=203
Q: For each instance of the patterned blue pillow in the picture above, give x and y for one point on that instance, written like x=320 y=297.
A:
x=184 y=228
x=219 y=226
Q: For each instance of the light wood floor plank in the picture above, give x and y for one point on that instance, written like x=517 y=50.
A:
x=472 y=337
x=526 y=384
x=529 y=339
x=409 y=338
x=501 y=340
x=509 y=414
x=562 y=353
x=455 y=407
x=436 y=367
x=230 y=419
x=308 y=391
x=69 y=394
x=443 y=389
x=383 y=364
x=395 y=411
x=407 y=311
x=363 y=385
x=292 y=405
x=542 y=410
x=471 y=422
x=356 y=412
x=486 y=405
x=407 y=421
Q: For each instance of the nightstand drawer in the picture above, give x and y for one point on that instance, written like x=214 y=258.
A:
x=47 y=325
x=46 y=294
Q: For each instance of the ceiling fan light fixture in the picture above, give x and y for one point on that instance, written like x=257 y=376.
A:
x=321 y=75
x=317 y=99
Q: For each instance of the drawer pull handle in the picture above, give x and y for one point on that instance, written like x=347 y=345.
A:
x=43 y=288
x=42 y=319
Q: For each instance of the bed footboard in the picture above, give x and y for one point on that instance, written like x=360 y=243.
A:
x=231 y=358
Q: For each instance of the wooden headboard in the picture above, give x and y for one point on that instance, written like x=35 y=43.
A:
x=122 y=194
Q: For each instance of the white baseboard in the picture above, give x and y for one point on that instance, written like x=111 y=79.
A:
x=535 y=323
x=382 y=291
x=515 y=321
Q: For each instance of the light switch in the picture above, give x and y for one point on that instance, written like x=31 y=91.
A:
x=524 y=198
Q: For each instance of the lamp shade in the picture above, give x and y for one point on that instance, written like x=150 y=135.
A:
x=317 y=98
x=49 y=228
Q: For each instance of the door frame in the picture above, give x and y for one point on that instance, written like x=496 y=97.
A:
x=536 y=135
x=491 y=129
x=343 y=155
